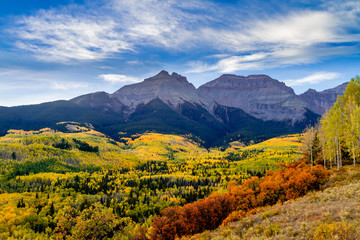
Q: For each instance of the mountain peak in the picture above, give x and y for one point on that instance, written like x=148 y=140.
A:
x=311 y=90
x=257 y=76
x=172 y=89
x=251 y=82
x=161 y=75
x=164 y=75
x=319 y=102
x=259 y=95
x=179 y=77
x=249 y=76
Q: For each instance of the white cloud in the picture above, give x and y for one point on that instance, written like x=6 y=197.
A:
x=117 y=26
x=295 y=29
x=117 y=78
x=69 y=85
x=296 y=38
x=120 y=26
x=230 y=64
x=312 y=79
x=164 y=23
x=135 y=62
x=56 y=36
x=303 y=28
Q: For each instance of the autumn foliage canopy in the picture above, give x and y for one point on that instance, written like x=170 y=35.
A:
x=290 y=182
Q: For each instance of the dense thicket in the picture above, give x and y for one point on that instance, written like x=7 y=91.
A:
x=290 y=182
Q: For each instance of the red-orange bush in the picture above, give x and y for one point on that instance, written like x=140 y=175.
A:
x=290 y=182
x=193 y=217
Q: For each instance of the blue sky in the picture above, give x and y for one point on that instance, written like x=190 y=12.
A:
x=60 y=49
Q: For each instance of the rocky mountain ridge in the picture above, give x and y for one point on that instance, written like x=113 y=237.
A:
x=174 y=90
x=258 y=95
x=319 y=102
x=229 y=108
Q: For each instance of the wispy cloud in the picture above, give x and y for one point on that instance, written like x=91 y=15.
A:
x=118 y=78
x=230 y=64
x=118 y=26
x=55 y=36
x=164 y=23
x=68 y=85
x=299 y=38
x=313 y=78
x=239 y=43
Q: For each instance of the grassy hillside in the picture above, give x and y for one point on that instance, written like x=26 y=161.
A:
x=333 y=213
x=19 y=146
x=46 y=176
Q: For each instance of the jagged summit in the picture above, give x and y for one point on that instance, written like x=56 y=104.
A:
x=319 y=102
x=172 y=89
x=164 y=75
x=160 y=75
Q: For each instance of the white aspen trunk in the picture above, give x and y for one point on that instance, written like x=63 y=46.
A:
x=337 y=154
x=323 y=152
x=330 y=157
x=340 y=158
x=354 y=154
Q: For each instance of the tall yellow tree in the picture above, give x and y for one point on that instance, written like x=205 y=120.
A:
x=339 y=129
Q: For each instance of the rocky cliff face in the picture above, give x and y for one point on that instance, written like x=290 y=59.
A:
x=319 y=102
x=258 y=95
x=226 y=109
x=173 y=90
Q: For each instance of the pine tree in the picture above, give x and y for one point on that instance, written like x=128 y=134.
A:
x=52 y=209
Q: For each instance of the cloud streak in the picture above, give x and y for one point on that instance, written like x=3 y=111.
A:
x=118 y=78
x=118 y=27
x=55 y=36
x=312 y=79
x=299 y=38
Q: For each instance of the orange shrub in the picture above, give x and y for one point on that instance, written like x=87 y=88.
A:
x=290 y=182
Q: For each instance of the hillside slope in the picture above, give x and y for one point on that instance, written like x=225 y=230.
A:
x=329 y=214
x=131 y=151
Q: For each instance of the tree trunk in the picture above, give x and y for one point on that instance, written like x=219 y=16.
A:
x=340 y=158
x=354 y=154
x=323 y=153
x=337 y=153
x=330 y=157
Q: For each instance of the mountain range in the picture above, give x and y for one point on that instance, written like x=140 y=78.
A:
x=228 y=108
